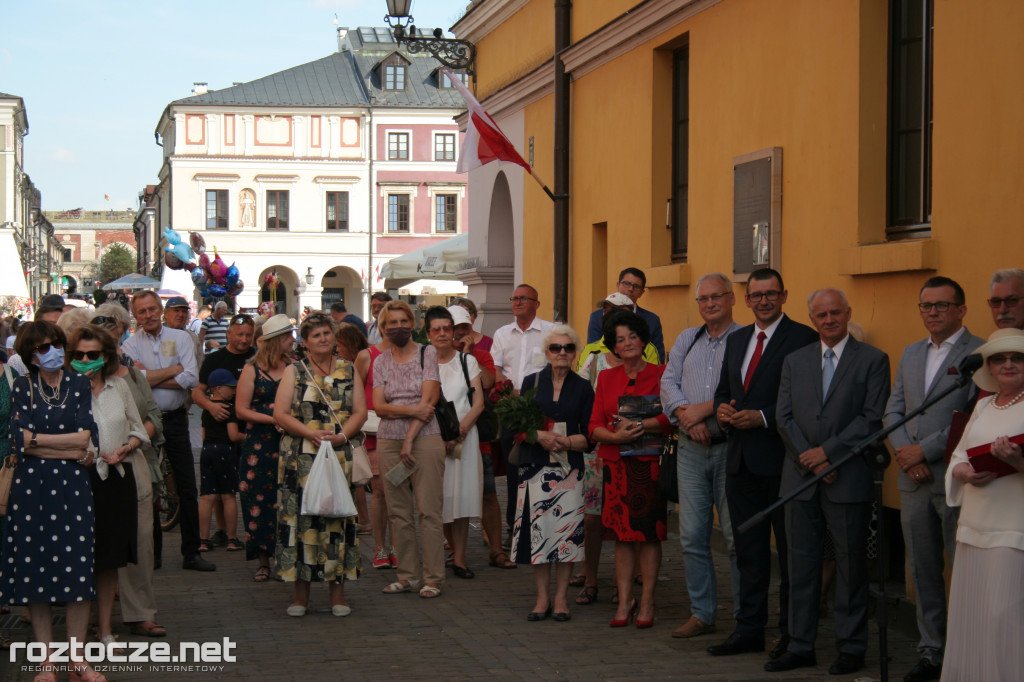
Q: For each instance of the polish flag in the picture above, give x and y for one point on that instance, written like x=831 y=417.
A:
x=484 y=140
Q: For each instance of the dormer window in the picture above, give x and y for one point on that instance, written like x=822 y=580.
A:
x=446 y=82
x=394 y=77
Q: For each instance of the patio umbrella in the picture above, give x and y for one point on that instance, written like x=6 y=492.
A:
x=133 y=281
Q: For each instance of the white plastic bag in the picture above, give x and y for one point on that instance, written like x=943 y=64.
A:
x=326 y=492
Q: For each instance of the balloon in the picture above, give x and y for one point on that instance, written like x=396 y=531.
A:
x=204 y=262
x=204 y=293
x=198 y=242
x=231 y=276
x=217 y=290
x=171 y=236
x=238 y=287
x=200 y=278
x=217 y=269
x=182 y=250
x=189 y=266
x=267 y=309
x=172 y=261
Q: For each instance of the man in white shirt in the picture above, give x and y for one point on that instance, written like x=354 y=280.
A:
x=517 y=354
x=167 y=356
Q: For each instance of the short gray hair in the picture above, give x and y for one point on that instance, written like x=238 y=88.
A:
x=114 y=310
x=827 y=290
x=1005 y=274
x=714 y=275
x=220 y=304
x=560 y=330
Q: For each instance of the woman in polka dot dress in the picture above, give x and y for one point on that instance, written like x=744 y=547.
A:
x=48 y=552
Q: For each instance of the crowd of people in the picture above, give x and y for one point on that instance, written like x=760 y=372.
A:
x=749 y=413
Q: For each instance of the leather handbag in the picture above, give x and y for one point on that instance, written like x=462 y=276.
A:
x=444 y=411
x=6 y=479
x=487 y=426
x=668 y=484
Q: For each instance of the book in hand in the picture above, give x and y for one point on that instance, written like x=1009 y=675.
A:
x=638 y=407
x=981 y=458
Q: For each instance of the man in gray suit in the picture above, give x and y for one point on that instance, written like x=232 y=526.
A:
x=832 y=396
x=929 y=367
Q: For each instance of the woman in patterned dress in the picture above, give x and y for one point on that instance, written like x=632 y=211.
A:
x=257 y=468
x=316 y=548
x=548 y=526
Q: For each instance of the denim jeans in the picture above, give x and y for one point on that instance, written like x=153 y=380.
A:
x=701 y=473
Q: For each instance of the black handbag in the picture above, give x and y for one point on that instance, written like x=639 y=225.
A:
x=444 y=411
x=487 y=427
x=668 y=484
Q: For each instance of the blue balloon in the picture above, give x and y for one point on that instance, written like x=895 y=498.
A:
x=204 y=293
x=171 y=236
x=199 y=278
x=217 y=290
x=231 y=276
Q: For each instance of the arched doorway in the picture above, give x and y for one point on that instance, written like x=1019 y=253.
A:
x=282 y=294
x=501 y=243
x=344 y=284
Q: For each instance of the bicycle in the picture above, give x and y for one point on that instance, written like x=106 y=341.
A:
x=167 y=499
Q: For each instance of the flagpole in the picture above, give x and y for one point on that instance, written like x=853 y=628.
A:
x=543 y=185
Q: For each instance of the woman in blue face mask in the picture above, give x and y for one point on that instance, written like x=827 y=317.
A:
x=54 y=436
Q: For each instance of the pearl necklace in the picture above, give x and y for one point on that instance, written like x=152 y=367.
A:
x=1009 y=404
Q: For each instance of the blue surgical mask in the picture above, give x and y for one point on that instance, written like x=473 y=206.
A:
x=51 y=360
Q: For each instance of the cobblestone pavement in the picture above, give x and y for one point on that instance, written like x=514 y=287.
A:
x=477 y=629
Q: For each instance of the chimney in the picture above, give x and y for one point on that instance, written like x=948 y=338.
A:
x=200 y=88
x=343 y=44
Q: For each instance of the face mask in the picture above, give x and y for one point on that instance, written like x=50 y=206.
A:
x=87 y=367
x=51 y=360
x=399 y=336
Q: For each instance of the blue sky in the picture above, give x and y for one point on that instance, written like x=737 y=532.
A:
x=96 y=75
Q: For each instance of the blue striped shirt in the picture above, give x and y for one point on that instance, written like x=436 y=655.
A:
x=691 y=378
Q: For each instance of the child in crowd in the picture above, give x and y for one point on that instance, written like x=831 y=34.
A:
x=218 y=463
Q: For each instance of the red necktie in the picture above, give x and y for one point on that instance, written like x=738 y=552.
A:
x=761 y=336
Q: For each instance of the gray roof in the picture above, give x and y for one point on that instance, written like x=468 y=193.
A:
x=4 y=95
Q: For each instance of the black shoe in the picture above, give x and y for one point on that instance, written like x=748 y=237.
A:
x=922 y=672
x=534 y=616
x=846 y=664
x=561 y=617
x=197 y=563
x=779 y=647
x=789 y=661
x=220 y=538
x=738 y=644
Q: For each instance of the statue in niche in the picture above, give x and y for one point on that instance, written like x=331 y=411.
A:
x=247 y=207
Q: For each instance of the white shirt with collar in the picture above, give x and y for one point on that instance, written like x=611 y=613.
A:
x=937 y=355
x=837 y=349
x=168 y=348
x=752 y=344
x=517 y=352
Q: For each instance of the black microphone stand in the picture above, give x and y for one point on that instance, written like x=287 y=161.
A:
x=968 y=366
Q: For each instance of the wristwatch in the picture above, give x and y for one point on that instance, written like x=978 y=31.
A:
x=32 y=441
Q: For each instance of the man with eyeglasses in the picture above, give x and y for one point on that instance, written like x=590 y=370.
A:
x=517 y=354
x=632 y=283
x=1006 y=298
x=929 y=367
x=745 y=409
x=687 y=395
x=214 y=332
x=168 y=359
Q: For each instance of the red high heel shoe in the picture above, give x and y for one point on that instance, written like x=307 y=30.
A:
x=621 y=623
x=643 y=624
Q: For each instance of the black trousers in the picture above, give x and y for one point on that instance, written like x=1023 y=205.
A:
x=747 y=494
x=178 y=451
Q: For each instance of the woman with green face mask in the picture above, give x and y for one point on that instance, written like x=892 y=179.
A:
x=91 y=351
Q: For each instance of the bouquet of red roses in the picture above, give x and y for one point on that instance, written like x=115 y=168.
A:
x=517 y=413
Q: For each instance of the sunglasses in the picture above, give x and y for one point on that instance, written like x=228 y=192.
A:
x=83 y=354
x=559 y=347
x=1002 y=359
x=242 y=319
x=44 y=348
x=102 y=319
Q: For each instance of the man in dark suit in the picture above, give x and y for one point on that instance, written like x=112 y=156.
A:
x=745 y=408
x=832 y=396
x=632 y=282
x=928 y=367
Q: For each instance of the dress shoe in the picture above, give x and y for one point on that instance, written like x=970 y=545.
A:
x=561 y=616
x=692 y=628
x=738 y=644
x=779 y=647
x=534 y=616
x=922 y=672
x=846 y=664
x=789 y=661
x=197 y=563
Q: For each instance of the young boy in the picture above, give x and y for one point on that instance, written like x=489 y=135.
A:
x=218 y=463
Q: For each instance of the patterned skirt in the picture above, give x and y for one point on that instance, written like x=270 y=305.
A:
x=549 y=518
x=633 y=511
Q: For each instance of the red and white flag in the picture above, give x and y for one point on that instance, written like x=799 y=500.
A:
x=484 y=140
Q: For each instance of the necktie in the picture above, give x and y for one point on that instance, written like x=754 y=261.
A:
x=828 y=369
x=754 y=359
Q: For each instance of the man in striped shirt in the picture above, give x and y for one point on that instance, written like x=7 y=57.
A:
x=214 y=333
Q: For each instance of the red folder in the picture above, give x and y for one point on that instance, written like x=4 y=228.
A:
x=982 y=459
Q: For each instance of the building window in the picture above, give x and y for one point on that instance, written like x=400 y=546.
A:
x=67 y=255
x=446 y=82
x=446 y=212
x=444 y=147
x=277 y=209
x=216 y=209
x=394 y=77
x=398 y=213
x=680 y=150
x=337 y=211
x=398 y=146
x=910 y=118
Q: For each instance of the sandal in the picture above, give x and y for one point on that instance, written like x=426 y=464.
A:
x=397 y=587
x=430 y=591
x=234 y=545
x=588 y=595
x=501 y=560
x=148 y=629
x=205 y=545
x=578 y=581
x=262 y=574
x=463 y=572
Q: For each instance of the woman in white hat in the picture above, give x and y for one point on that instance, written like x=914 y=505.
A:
x=257 y=471
x=986 y=603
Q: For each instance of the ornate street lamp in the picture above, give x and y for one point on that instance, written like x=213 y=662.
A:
x=310 y=276
x=453 y=53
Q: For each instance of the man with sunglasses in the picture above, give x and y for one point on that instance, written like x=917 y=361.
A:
x=632 y=283
x=167 y=356
x=928 y=367
x=1006 y=298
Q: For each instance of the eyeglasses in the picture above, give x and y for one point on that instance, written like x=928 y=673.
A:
x=44 y=348
x=631 y=285
x=521 y=299
x=102 y=319
x=83 y=354
x=701 y=300
x=941 y=306
x=1010 y=301
x=1000 y=359
x=242 y=319
x=559 y=347
x=771 y=296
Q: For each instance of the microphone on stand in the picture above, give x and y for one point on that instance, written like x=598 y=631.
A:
x=968 y=366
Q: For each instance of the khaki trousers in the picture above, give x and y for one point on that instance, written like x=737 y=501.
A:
x=135 y=581
x=425 y=488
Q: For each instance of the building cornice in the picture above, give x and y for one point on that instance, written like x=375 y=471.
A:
x=484 y=17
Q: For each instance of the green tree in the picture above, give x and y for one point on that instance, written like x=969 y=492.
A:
x=117 y=261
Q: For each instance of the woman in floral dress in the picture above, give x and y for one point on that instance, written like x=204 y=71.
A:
x=257 y=468
x=316 y=548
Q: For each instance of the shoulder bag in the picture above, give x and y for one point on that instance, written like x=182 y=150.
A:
x=668 y=481
x=447 y=418
x=487 y=427
x=10 y=462
x=361 y=472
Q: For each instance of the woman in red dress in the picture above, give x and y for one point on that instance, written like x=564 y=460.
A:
x=634 y=515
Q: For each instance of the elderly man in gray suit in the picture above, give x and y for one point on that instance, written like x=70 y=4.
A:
x=831 y=397
x=929 y=367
